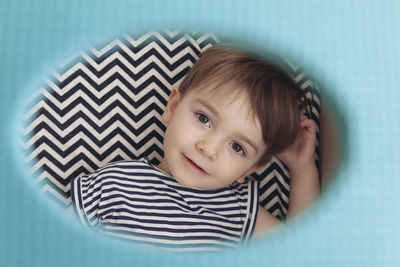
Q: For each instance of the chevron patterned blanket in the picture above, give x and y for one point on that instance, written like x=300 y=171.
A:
x=105 y=105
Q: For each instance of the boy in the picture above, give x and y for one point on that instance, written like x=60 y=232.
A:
x=229 y=116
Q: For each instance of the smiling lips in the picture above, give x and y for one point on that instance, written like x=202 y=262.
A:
x=194 y=165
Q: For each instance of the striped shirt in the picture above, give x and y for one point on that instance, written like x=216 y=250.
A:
x=134 y=200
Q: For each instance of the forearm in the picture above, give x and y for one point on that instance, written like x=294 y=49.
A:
x=304 y=189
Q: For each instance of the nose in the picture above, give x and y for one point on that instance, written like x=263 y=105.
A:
x=207 y=149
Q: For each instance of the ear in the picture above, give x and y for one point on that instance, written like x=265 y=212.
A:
x=250 y=171
x=173 y=102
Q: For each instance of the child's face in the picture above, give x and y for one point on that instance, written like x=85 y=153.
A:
x=210 y=142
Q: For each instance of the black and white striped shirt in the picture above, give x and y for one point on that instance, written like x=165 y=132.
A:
x=134 y=200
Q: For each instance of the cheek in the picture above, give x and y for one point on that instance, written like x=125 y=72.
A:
x=187 y=128
x=179 y=131
x=235 y=164
x=231 y=162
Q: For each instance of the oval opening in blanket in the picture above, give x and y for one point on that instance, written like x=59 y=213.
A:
x=105 y=106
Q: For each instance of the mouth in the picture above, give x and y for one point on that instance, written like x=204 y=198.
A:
x=194 y=165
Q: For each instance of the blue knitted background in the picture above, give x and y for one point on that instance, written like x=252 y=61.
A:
x=350 y=48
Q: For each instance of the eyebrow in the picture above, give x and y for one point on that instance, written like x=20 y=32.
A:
x=208 y=106
x=215 y=112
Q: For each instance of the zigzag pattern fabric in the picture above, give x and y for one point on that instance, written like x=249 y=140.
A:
x=105 y=104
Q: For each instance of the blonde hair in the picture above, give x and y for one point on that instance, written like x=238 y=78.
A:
x=274 y=97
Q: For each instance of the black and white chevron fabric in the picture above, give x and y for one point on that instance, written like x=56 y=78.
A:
x=105 y=105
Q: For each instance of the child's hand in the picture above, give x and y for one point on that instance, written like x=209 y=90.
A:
x=304 y=177
x=301 y=154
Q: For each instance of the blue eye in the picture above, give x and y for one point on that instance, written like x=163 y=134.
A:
x=238 y=148
x=203 y=119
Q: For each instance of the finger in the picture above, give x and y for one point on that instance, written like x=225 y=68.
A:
x=303 y=117
x=308 y=124
x=309 y=128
